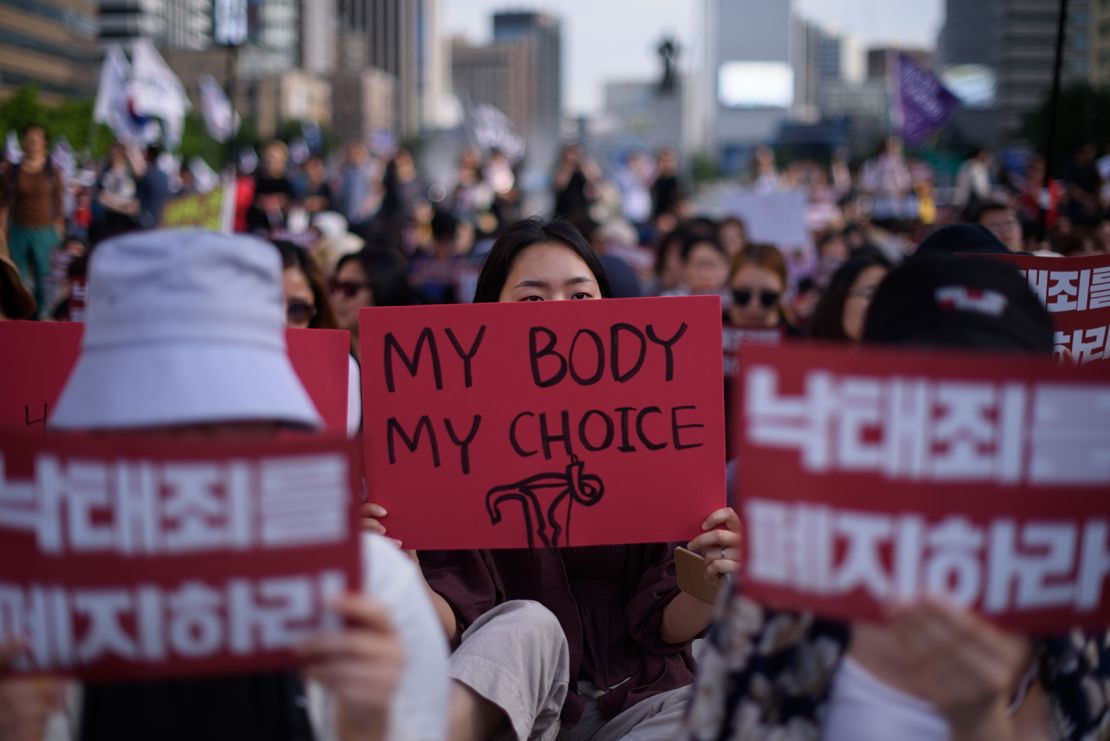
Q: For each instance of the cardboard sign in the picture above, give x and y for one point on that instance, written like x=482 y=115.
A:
x=199 y=210
x=40 y=355
x=1076 y=291
x=869 y=476
x=129 y=557
x=544 y=425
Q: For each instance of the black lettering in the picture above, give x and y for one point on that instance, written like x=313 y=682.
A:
x=514 y=441
x=546 y=437
x=412 y=443
x=392 y=345
x=32 y=422
x=640 y=428
x=676 y=427
x=599 y=346
x=535 y=355
x=463 y=444
x=666 y=345
x=626 y=445
x=582 y=430
x=614 y=338
x=467 y=356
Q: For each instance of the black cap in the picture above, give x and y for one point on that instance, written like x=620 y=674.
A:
x=961 y=238
x=940 y=300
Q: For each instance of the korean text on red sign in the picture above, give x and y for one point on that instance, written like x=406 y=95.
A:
x=47 y=352
x=1076 y=291
x=869 y=476
x=122 y=558
x=544 y=425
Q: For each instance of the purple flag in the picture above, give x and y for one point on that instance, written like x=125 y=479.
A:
x=922 y=104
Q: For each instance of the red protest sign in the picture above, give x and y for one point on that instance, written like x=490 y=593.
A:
x=127 y=557
x=42 y=354
x=321 y=358
x=38 y=357
x=868 y=476
x=1076 y=291
x=488 y=426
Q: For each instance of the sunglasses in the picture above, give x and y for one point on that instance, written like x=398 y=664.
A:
x=299 y=312
x=767 y=299
x=349 y=288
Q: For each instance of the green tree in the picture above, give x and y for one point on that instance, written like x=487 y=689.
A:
x=1083 y=117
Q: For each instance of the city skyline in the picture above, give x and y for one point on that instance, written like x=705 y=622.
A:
x=595 y=55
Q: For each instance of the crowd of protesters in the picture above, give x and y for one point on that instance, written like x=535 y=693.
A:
x=579 y=643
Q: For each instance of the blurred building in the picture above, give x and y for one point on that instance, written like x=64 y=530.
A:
x=879 y=59
x=998 y=55
x=172 y=24
x=751 y=73
x=401 y=39
x=51 y=44
x=319 y=35
x=636 y=116
x=520 y=74
x=541 y=36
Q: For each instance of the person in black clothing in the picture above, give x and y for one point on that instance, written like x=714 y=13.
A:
x=666 y=193
x=315 y=192
x=1084 y=184
x=273 y=191
x=574 y=179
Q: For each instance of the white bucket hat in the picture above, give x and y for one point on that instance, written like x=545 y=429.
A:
x=183 y=327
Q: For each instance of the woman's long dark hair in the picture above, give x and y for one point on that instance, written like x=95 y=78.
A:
x=293 y=256
x=387 y=273
x=828 y=317
x=520 y=235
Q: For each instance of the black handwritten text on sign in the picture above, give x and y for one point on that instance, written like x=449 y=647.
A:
x=488 y=426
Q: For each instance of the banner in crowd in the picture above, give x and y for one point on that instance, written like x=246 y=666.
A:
x=776 y=217
x=126 y=558
x=198 y=210
x=544 y=425
x=922 y=104
x=872 y=476
x=1076 y=291
x=47 y=352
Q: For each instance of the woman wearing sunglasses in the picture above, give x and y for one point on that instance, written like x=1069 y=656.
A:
x=757 y=282
x=373 y=276
x=306 y=295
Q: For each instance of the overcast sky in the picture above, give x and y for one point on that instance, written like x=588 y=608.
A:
x=616 y=39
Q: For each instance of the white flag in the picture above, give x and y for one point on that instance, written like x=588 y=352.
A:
x=63 y=158
x=220 y=117
x=204 y=176
x=13 y=153
x=155 y=91
x=113 y=106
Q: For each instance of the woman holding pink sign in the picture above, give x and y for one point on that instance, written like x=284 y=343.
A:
x=574 y=643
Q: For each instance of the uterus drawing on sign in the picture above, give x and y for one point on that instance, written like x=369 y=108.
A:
x=546 y=501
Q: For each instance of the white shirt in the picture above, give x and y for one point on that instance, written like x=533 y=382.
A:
x=864 y=708
x=354 y=397
x=419 y=710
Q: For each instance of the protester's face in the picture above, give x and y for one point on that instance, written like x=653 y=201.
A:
x=549 y=271
x=350 y=291
x=859 y=298
x=757 y=293
x=34 y=142
x=835 y=250
x=732 y=239
x=706 y=269
x=1004 y=224
x=274 y=160
x=300 y=304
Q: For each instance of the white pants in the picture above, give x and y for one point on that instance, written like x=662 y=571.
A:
x=516 y=657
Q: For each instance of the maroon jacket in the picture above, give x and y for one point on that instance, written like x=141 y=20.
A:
x=609 y=600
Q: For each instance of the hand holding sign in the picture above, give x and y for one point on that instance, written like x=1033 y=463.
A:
x=967 y=665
